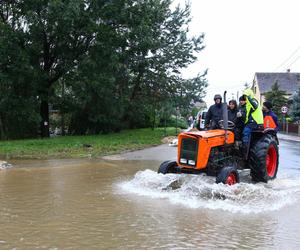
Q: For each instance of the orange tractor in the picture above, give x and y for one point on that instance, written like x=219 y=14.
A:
x=215 y=153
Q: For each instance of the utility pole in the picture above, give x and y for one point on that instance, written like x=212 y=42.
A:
x=177 y=109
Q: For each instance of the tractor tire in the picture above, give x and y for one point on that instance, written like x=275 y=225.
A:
x=228 y=175
x=167 y=167
x=263 y=160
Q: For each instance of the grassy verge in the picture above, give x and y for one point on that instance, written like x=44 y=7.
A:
x=83 y=146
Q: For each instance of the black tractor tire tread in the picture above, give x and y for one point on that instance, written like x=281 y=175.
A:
x=225 y=171
x=167 y=167
x=257 y=159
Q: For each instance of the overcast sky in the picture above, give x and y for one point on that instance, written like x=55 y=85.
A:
x=243 y=37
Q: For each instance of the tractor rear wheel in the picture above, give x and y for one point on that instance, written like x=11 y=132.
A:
x=264 y=159
x=228 y=175
x=167 y=167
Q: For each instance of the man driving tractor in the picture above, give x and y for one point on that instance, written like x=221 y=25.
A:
x=214 y=113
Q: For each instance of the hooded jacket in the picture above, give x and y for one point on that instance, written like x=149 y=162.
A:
x=253 y=110
x=214 y=115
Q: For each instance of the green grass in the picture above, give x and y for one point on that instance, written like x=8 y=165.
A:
x=76 y=146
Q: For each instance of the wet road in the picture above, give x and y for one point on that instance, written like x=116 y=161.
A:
x=120 y=202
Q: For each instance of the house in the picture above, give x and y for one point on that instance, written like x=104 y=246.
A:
x=287 y=81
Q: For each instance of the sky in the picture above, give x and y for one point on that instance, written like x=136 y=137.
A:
x=243 y=37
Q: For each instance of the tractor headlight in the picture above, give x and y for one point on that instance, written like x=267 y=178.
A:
x=184 y=161
x=191 y=162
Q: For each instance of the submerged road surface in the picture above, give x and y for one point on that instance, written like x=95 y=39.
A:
x=120 y=202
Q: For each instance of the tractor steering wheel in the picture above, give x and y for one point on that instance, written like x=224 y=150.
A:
x=231 y=124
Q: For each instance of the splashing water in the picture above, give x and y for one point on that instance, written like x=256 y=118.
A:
x=4 y=165
x=200 y=191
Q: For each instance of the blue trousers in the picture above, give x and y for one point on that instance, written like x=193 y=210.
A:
x=247 y=132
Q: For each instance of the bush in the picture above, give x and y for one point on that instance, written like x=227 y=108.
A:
x=171 y=122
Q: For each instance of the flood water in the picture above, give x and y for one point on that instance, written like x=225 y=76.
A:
x=125 y=204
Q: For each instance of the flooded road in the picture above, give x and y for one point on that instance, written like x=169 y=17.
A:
x=120 y=202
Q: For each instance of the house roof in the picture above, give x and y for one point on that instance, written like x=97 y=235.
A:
x=288 y=81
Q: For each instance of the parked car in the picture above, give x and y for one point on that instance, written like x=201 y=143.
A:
x=200 y=121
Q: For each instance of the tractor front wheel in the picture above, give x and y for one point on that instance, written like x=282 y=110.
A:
x=228 y=175
x=167 y=167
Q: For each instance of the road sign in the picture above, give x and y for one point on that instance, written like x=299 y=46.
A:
x=284 y=109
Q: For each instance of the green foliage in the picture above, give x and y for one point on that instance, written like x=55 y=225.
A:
x=289 y=119
x=172 y=121
x=18 y=101
x=83 y=146
x=277 y=97
x=295 y=112
x=195 y=111
x=106 y=65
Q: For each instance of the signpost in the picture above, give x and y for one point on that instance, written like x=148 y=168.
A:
x=177 y=110
x=284 y=110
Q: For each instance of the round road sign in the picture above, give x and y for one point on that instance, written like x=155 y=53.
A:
x=284 y=109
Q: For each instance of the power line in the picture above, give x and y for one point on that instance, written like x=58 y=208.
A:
x=287 y=59
x=294 y=61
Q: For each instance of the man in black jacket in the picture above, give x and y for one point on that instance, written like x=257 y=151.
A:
x=214 y=114
x=241 y=117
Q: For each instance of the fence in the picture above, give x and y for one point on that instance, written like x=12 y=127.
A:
x=290 y=128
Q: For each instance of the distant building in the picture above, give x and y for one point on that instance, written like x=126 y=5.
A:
x=262 y=83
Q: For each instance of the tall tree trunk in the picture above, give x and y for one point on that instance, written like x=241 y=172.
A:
x=45 y=117
x=2 y=134
x=62 y=123
x=62 y=109
x=154 y=114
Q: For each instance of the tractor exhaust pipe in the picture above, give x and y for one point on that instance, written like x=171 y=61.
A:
x=225 y=116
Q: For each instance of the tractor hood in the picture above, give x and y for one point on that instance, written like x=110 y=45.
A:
x=196 y=146
x=208 y=133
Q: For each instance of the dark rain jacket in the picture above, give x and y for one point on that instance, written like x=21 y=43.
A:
x=240 y=121
x=213 y=116
x=232 y=115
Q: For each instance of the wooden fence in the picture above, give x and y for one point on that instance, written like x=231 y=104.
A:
x=290 y=128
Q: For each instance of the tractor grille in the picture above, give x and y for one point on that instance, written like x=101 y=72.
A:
x=189 y=152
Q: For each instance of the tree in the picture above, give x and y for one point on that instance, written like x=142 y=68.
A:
x=107 y=65
x=295 y=112
x=18 y=103
x=135 y=70
x=158 y=47
x=56 y=35
x=277 y=97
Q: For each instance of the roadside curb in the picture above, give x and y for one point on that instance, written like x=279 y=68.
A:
x=288 y=138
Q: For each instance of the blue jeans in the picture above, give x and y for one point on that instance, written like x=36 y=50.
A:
x=247 y=132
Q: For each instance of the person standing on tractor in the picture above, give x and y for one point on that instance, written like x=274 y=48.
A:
x=214 y=114
x=270 y=119
x=254 y=117
x=240 y=120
